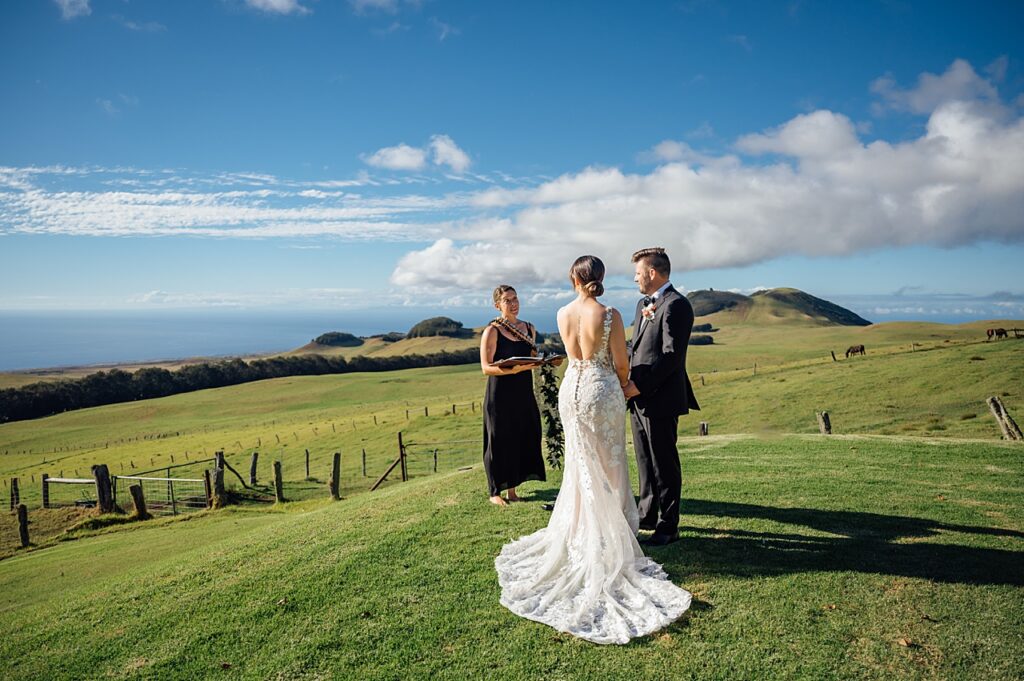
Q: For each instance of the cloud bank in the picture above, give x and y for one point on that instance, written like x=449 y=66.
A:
x=810 y=186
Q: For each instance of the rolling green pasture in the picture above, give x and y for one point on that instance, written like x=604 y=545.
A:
x=860 y=557
x=892 y=549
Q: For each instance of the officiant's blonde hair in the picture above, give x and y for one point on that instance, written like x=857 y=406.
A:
x=500 y=291
x=588 y=273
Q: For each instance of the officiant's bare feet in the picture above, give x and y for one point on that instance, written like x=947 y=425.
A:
x=498 y=501
x=512 y=496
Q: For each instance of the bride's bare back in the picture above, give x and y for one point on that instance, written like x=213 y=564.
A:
x=581 y=325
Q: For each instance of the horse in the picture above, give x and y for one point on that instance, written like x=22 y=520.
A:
x=855 y=350
x=1001 y=333
x=990 y=333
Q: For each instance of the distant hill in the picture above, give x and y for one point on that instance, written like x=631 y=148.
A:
x=778 y=305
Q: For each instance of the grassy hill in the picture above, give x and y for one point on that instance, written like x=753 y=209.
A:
x=773 y=306
x=850 y=557
x=808 y=556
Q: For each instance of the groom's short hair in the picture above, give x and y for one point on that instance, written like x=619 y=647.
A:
x=656 y=258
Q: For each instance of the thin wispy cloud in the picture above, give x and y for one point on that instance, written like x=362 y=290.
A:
x=370 y=6
x=741 y=40
x=444 y=30
x=278 y=6
x=142 y=27
x=70 y=9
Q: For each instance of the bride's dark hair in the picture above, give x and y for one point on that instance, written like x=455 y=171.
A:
x=588 y=273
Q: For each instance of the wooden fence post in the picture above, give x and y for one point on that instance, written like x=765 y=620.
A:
x=46 y=490
x=252 y=468
x=426 y=411
x=139 y=499
x=401 y=456
x=208 y=488
x=453 y=410
x=23 y=524
x=218 y=459
x=374 y=419
x=307 y=464
x=219 y=497
x=834 y=356
x=435 y=459
x=336 y=476
x=104 y=498
x=1006 y=423
x=702 y=429
x=15 y=497
x=364 y=462
x=278 y=483
x=824 y=424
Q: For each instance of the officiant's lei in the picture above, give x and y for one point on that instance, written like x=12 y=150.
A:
x=505 y=324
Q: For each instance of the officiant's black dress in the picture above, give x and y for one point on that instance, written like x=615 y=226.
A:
x=511 y=424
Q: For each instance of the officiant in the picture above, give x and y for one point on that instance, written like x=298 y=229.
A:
x=512 y=432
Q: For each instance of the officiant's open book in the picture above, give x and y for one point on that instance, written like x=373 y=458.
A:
x=533 y=361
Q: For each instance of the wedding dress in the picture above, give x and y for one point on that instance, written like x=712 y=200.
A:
x=585 y=573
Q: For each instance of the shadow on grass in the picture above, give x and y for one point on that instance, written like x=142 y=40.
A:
x=865 y=542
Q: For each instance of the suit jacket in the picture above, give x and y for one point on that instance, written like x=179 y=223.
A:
x=657 y=361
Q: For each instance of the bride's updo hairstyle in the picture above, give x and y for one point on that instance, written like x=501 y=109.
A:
x=588 y=273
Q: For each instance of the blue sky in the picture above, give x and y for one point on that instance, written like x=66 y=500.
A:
x=283 y=154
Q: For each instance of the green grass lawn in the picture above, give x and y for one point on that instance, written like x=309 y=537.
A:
x=809 y=557
x=939 y=392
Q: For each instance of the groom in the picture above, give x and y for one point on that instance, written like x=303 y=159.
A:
x=658 y=392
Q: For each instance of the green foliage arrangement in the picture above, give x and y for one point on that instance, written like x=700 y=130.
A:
x=554 y=439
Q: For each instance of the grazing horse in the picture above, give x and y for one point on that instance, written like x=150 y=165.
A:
x=1001 y=333
x=990 y=333
x=855 y=350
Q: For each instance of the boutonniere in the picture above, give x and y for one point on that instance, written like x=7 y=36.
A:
x=648 y=311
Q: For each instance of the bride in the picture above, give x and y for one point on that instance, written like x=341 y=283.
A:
x=585 y=573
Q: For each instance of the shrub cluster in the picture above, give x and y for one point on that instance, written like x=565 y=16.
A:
x=109 y=387
x=338 y=339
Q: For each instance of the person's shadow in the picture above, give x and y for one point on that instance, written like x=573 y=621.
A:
x=855 y=541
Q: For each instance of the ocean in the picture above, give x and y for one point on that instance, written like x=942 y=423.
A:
x=36 y=340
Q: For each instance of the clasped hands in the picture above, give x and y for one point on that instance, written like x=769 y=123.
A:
x=629 y=390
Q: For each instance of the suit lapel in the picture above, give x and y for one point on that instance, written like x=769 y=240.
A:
x=641 y=326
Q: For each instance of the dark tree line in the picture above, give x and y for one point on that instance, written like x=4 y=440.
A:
x=110 y=387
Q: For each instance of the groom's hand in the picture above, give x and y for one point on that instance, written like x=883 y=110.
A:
x=630 y=390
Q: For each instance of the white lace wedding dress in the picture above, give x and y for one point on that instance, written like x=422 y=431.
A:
x=585 y=573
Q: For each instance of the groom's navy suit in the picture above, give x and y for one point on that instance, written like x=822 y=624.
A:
x=657 y=366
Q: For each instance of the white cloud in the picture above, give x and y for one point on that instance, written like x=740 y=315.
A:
x=960 y=82
x=366 y=6
x=143 y=27
x=108 y=106
x=829 y=193
x=278 y=6
x=442 y=151
x=446 y=152
x=817 y=134
x=400 y=157
x=444 y=30
x=69 y=9
x=741 y=40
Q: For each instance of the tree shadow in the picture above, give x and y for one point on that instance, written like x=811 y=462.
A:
x=861 y=542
